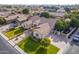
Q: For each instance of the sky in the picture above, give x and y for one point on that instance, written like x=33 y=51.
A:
x=40 y=2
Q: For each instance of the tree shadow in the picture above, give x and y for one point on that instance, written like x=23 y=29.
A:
x=59 y=38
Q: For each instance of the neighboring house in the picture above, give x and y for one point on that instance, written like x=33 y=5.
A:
x=57 y=14
x=27 y=24
x=42 y=31
x=21 y=18
x=36 y=9
x=34 y=20
x=5 y=14
x=61 y=10
x=11 y=18
x=16 y=18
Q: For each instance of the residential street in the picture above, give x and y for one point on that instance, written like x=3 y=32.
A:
x=6 y=48
x=73 y=50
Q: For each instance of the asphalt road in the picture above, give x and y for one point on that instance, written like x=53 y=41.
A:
x=6 y=48
x=73 y=50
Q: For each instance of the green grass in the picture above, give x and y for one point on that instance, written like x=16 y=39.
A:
x=32 y=47
x=14 y=32
x=29 y=45
x=52 y=49
x=41 y=50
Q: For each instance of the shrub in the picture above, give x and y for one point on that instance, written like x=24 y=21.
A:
x=25 y=11
x=45 y=42
x=45 y=14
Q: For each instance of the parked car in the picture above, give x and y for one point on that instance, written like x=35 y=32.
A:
x=76 y=38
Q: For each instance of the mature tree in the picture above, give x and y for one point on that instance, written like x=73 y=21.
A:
x=74 y=22
x=71 y=15
x=67 y=9
x=25 y=11
x=45 y=14
x=45 y=41
x=2 y=20
x=74 y=16
x=61 y=25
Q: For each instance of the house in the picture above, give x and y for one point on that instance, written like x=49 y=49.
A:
x=61 y=10
x=43 y=25
x=42 y=31
x=36 y=9
x=50 y=21
x=11 y=18
x=21 y=18
x=57 y=14
x=34 y=20
x=27 y=24
x=5 y=14
x=17 y=18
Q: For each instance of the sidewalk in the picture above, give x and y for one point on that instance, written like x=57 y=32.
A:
x=62 y=51
x=12 y=43
x=20 y=38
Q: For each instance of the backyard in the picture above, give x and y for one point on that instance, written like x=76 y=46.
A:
x=14 y=32
x=32 y=47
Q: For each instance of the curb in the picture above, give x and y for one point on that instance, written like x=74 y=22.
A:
x=16 y=47
x=19 y=49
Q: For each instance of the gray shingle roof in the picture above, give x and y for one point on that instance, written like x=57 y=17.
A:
x=50 y=21
x=44 y=29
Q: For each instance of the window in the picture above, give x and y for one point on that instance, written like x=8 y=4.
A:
x=37 y=34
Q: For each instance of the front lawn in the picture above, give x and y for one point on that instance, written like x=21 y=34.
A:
x=51 y=49
x=14 y=32
x=32 y=47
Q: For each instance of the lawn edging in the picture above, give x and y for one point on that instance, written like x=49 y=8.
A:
x=20 y=50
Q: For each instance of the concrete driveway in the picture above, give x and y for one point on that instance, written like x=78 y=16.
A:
x=59 y=41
